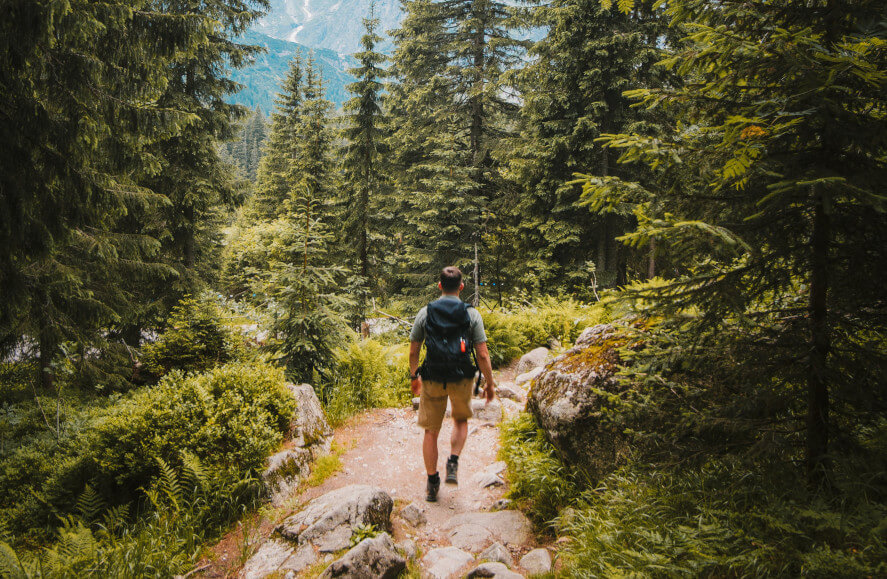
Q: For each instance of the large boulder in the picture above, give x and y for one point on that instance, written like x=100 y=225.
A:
x=531 y=359
x=475 y=531
x=310 y=427
x=446 y=562
x=328 y=521
x=567 y=401
x=536 y=562
x=285 y=471
x=371 y=558
x=277 y=557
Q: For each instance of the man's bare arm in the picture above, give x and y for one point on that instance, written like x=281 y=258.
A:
x=415 y=385
x=486 y=368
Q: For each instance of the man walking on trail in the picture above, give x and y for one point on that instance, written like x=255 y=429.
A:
x=452 y=331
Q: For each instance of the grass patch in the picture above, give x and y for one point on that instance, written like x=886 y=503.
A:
x=325 y=467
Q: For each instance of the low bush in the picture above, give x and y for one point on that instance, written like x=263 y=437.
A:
x=539 y=483
x=230 y=418
x=514 y=331
x=195 y=339
x=367 y=374
x=724 y=519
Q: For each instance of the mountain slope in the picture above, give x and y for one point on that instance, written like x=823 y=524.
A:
x=263 y=78
x=333 y=24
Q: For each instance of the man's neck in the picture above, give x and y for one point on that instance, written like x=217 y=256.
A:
x=446 y=295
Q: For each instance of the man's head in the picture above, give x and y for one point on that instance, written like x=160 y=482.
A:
x=451 y=280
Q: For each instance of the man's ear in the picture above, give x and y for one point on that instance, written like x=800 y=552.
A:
x=462 y=286
x=440 y=287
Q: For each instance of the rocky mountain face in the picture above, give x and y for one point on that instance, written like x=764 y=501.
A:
x=263 y=78
x=333 y=24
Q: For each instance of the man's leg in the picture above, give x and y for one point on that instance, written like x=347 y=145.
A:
x=429 y=450
x=460 y=433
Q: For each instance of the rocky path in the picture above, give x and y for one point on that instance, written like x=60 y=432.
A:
x=469 y=531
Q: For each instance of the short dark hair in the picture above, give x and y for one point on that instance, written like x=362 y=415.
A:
x=450 y=278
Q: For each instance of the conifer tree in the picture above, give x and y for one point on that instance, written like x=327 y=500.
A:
x=769 y=196
x=365 y=151
x=573 y=93
x=448 y=109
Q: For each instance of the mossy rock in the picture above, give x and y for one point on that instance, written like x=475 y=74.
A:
x=572 y=397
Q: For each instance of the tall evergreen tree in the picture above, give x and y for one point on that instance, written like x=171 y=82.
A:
x=573 y=93
x=770 y=198
x=448 y=108
x=365 y=151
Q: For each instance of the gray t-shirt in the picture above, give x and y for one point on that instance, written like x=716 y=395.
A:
x=478 y=335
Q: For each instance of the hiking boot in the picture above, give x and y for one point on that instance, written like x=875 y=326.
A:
x=452 y=467
x=431 y=490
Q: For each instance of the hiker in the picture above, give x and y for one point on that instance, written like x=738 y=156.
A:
x=452 y=331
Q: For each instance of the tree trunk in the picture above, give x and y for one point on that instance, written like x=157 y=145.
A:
x=817 y=385
x=48 y=345
x=651 y=266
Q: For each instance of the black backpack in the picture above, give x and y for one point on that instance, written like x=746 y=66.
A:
x=449 y=353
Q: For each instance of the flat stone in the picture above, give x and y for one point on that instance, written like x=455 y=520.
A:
x=487 y=479
x=409 y=548
x=507 y=393
x=494 y=570
x=470 y=537
x=497 y=553
x=277 y=556
x=445 y=562
x=497 y=467
x=369 y=559
x=510 y=527
x=528 y=377
x=336 y=540
x=414 y=514
x=491 y=412
x=530 y=360
x=345 y=507
x=536 y=562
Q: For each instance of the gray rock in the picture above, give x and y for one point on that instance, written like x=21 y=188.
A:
x=445 y=562
x=494 y=570
x=414 y=514
x=497 y=553
x=285 y=471
x=511 y=408
x=510 y=393
x=531 y=360
x=277 y=556
x=491 y=412
x=319 y=522
x=409 y=548
x=470 y=537
x=309 y=422
x=369 y=559
x=500 y=505
x=565 y=404
x=336 y=540
x=524 y=380
x=510 y=527
x=536 y=562
x=497 y=467
x=487 y=479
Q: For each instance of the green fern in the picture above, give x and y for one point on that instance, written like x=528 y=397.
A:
x=10 y=565
x=168 y=485
x=89 y=505
x=194 y=473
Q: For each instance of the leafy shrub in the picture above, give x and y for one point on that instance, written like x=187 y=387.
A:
x=230 y=418
x=367 y=375
x=195 y=340
x=723 y=519
x=539 y=483
x=513 y=332
x=185 y=508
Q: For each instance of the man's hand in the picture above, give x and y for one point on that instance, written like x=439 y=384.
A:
x=489 y=392
x=416 y=386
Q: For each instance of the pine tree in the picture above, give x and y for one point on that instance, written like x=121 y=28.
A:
x=769 y=199
x=573 y=93
x=363 y=163
x=448 y=109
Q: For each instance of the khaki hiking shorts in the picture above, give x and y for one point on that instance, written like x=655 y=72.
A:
x=433 y=402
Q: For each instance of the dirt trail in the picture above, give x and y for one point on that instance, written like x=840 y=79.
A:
x=383 y=448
